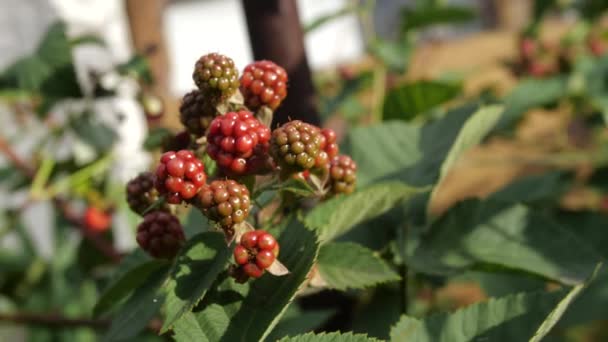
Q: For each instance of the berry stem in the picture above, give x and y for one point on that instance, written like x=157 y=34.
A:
x=80 y=176
x=41 y=177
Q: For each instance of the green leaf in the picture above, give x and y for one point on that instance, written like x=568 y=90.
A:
x=409 y=152
x=338 y=215
x=131 y=273
x=394 y=55
x=532 y=93
x=195 y=223
x=330 y=337
x=511 y=318
x=347 y=265
x=156 y=137
x=296 y=321
x=196 y=268
x=545 y=187
x=93 y=132
x=139 y=309
x=472 y=133
x=475 y=233
x=249 y=312
x=188 y=329
x=55 y=49
x=413 y=99
x=137 y=67
x=557 y=313
x=418 y=18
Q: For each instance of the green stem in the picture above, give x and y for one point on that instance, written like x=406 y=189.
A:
x=41 y=177
x=79 y=176
x=378 y=92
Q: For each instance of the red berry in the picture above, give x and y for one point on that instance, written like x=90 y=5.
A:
x=241 y=256
x=263 y=84
x=264 y=259
x=253 y=270
x=235 y=139
x=266 y=241
x=97 y=220
x=160 y=234
x=179 y=176
x=249 y=239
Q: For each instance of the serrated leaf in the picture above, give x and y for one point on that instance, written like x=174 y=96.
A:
x=336 y=216
x=237 y=312
x=472 y=133
x=345 y=265
x=131 y=273
x=510 y=235
x=511 y=318
x=188 y=329
x=330 y=337
x=139 y=309
x=410 y=100
x=196 y=268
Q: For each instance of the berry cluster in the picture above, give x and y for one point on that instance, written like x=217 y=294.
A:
x=342 y=174
x=236 y=138
x=256 y=252
x=179 y=176
x=216 y=76
x=224 y=201
x=263 y=83
x=231 y=135
x=160 y=234
x=296 y=145
x=141 y=193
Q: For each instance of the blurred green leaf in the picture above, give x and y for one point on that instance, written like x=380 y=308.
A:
x=422 y=17
x=156 y=137
x=137 y=67
x=347 y=265
x=546 y=187
x=321 y=20
x=395 y=55
x=410 y=100
x=242 y=312
x=474 y=233
x=195 y=269
x=93 y=132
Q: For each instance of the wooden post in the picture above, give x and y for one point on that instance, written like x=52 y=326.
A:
x=276 y=34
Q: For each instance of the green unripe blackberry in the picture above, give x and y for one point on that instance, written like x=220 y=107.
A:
x=296 y=145
x=342 y=174
x=216 y=76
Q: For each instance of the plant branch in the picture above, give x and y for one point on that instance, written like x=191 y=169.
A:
x=72 y=216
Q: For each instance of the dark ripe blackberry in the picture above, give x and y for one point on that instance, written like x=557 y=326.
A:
x=160 y=234
x=196 y=112
x=141 y=193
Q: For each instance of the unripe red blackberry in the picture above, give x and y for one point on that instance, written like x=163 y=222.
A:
x=141 y=193
x=224 y=201
x=196 y=112
x=328 y=143
x=235 y=140
x=179 y=176
x=256 y=252
x=263 y=83
x=216 y=76
x=97 y=220
x=342 y=174
x=160 y=234
x=296 y=145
